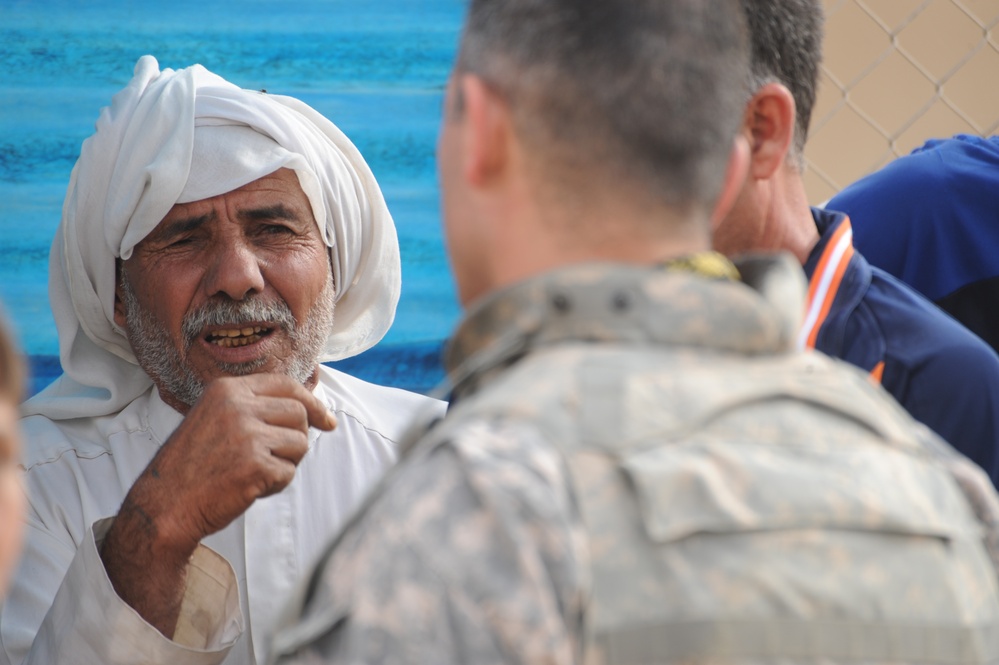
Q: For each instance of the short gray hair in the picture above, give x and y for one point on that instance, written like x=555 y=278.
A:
x=649 y=92
x=786 y=39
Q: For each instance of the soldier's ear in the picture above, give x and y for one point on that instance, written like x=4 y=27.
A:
x=735 y=177
x=768 y=124
x=487 y=128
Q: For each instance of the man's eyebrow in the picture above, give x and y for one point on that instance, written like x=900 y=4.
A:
x=276 y=211
x=177 y=227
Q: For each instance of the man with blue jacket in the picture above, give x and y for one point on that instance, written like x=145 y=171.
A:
x=946 y=377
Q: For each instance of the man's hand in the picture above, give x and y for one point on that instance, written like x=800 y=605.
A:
x=241 y=441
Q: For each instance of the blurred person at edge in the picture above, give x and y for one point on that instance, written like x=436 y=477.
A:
x=12 y=501
x=207 y=235
x=943 y=375
x=637 y=465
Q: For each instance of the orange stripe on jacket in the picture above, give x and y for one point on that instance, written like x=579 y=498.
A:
x=878 y=372
x=830 y=295
x=821 y=268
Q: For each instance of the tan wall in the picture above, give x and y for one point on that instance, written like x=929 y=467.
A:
x=898 y=72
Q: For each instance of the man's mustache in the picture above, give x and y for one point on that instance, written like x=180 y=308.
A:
x=237 y=313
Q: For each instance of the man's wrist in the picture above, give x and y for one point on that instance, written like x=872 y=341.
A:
x=148 y=522
x=147 y=564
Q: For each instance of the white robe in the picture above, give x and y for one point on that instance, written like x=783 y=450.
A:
x=78 y=472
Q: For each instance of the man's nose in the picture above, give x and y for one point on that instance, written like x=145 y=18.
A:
x=235 y=271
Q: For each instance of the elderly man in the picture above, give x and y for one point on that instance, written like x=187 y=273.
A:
x=638 y=466
x=941 y=373
x=208 y=235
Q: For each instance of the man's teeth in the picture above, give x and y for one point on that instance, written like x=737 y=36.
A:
x=236 y=336
x=246 y=332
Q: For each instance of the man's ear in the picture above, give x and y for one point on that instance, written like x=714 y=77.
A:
x=735 y=178
x=487 y=130
x=119 y=304
x=769 y=126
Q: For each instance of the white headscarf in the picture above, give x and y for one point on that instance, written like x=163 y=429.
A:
x=179 y=136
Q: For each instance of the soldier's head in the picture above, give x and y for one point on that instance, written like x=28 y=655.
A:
x=582 y=107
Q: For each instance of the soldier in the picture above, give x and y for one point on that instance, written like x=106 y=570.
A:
x=637 y=465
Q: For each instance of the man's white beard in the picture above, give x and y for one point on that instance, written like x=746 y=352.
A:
x=157 y=353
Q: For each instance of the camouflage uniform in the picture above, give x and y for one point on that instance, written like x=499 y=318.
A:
x=638 y=468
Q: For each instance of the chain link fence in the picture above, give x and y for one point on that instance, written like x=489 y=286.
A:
x=896 y=73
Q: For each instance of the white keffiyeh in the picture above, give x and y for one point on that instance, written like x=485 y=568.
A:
x=179 y=136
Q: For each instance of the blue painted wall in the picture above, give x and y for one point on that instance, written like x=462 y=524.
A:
x=376 y=68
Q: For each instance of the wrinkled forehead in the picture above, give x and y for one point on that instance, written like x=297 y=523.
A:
x=275 y=195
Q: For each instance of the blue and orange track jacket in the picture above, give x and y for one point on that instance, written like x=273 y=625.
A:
x=944 y=375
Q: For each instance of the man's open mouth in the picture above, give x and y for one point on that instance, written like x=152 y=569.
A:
x=232 y=337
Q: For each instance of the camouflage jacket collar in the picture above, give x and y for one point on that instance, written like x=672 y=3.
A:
x=625 y=304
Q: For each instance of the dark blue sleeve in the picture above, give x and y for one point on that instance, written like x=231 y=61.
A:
x=955 y=392
x=929 y=218
x=892 y=211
